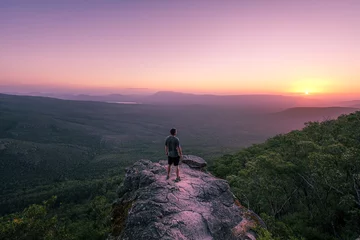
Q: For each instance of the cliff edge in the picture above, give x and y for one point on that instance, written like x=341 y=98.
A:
x=200 y=206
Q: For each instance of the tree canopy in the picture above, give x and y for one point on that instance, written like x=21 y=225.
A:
x=305 y=184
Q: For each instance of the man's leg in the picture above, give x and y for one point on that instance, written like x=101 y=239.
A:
x=168 y=171
x=170 y=162
x=176 y=164
x=177 y=172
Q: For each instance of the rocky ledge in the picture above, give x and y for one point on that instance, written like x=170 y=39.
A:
x=200 y=206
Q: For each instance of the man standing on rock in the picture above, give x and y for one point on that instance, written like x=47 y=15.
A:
x=174 y=152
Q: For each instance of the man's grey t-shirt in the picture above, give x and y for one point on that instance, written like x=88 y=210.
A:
x=172 y=143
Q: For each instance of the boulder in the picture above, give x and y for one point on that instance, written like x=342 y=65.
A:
x=194 y=161
x=200 y=206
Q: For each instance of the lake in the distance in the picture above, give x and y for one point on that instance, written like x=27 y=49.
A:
x=127 y=102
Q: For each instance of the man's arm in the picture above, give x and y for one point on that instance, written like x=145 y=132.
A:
x=179 y=150
x=166 y=146
x=178 y=147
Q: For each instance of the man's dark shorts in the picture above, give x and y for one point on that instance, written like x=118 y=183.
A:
x=173 y=160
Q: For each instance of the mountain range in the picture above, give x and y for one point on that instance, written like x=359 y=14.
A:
x=260 y=102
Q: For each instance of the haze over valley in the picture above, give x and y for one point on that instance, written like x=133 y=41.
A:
x=46 y=140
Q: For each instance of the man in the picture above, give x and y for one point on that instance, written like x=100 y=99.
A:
x=174 y=152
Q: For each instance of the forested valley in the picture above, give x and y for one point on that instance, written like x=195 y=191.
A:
x=61 y=163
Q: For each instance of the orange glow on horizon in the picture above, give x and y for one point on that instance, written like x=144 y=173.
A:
x=309 y=89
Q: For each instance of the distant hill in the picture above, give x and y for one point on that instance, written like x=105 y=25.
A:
x=353 y=103
x=244 y=101
x=294 y=118
x=315 y=113
x=104 y=98
x=257 y=102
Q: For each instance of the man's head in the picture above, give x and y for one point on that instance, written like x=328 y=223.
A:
x=173 y=131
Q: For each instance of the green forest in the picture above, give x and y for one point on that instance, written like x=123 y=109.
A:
x=304 y=184
x=61 y=163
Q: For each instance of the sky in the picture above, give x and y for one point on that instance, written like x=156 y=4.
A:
x=221 y=47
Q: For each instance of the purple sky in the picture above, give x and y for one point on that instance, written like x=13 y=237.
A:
x=243 y=46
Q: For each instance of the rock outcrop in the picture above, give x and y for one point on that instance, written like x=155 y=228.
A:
x=198 y=207
x=194 y=161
